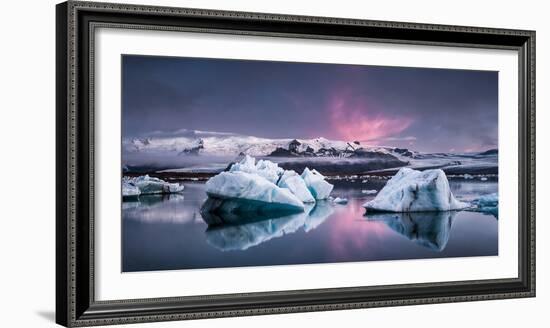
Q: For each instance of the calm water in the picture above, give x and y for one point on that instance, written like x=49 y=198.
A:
x=168 y=232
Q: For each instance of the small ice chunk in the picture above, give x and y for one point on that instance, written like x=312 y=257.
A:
x=483 y=179
x=369 y=192
x=264 y=168
x=293 y=182
x=315 y=182
x=487 y=204
x=252 y=187
x=150 y=185
x=487 y=200
x=339 y=200
x=468 y=176
x=416 y=191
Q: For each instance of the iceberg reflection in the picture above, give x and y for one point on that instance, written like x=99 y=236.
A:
x=166 y=208
x=427 y=229
x=242 y=231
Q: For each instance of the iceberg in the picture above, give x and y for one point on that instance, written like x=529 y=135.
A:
x=339 y=200
x=489 y=200
x=266 y=169
x=146 y=185
x=486 y=204
x=315 y=182
x=251 y=187
x=129 y=189
x=294 y=182
x=416 y=191
x=253 y=191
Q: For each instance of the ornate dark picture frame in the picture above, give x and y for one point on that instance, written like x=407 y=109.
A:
x=75 y=301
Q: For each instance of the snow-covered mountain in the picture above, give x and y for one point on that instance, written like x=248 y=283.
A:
x=192 y=151
x=192 y=143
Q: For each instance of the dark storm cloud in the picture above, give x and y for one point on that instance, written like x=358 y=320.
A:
x=419 y=108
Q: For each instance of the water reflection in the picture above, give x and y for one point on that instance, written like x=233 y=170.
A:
x=160 y=208
x=252 y=230
x=216 y=211
x=169 y=233
x=427 y=229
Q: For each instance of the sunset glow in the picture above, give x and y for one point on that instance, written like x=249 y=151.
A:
x=353 y=119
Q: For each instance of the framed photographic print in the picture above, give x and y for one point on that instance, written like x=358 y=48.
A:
x=215 y=163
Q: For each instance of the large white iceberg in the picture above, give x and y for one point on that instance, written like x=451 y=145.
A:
x=260 y=187
x=253 y=188
x=294 y=182
x=146 y=185
x=416 y=191
x=315 y=182
x=264 y=168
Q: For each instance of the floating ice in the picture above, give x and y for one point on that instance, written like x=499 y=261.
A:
x=369 y=192
x=315 y=182
x=262 y=187
x=129 y=189
x=147 y=185
x=339 y=200
x=258 y=191
x=293 y=182
x=487 y=204
x=416 y=191
x=266 y=169
x=487 y=200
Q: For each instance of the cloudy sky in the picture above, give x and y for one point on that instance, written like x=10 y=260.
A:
x=431 y=110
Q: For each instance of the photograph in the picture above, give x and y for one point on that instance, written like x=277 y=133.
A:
x=234 y=163
x=243 y=161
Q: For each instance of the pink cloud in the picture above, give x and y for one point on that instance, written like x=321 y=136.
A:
x=354 y=119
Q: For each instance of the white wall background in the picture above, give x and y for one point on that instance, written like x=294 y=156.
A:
x=27 y=148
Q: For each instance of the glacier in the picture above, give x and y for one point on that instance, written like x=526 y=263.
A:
x=146 y=185
x=416 y=191
x=316 y=183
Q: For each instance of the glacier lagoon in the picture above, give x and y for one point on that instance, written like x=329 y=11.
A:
x=168 y=232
